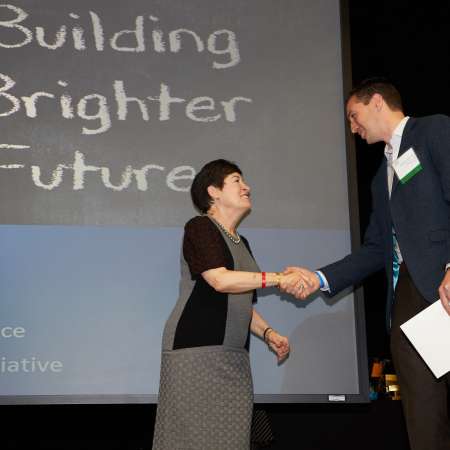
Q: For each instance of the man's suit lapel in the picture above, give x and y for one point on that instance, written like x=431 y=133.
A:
x=405 y=144
x=383 y=183
x=382 y=194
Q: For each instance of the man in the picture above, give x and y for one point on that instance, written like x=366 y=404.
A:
x=408 y=235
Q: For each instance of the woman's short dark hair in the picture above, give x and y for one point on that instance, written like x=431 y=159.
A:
x=211 y=174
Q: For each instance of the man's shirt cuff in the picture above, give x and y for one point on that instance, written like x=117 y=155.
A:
x=324 y=286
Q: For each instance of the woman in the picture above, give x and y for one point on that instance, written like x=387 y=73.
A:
x=206 y=390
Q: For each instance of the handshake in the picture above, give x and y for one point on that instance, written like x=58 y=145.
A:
x=299 y=282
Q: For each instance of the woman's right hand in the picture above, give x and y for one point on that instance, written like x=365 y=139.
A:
x=299 y=282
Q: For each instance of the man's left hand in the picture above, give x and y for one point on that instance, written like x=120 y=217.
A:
x=444 y=292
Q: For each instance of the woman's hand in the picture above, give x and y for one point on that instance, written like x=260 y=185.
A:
x=279 y=344
x=299 y=282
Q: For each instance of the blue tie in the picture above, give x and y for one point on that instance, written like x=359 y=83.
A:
x=395 y=260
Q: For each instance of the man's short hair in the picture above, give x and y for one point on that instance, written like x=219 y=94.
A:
x=365 y=90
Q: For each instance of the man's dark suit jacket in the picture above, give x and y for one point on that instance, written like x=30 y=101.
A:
x=419 y=210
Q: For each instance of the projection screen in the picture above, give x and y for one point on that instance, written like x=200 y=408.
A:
x=107 y=111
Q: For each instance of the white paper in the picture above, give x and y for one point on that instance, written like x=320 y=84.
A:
x=429 y=332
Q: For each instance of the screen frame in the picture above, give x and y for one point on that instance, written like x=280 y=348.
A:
x=360 y=331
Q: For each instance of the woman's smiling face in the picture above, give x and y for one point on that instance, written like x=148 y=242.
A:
x=235 y=193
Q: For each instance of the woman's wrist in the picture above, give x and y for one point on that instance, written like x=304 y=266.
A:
x=270 y=279
x=276 y=278
x=266 y=334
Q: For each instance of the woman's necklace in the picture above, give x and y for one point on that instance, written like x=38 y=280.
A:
x=234 y=240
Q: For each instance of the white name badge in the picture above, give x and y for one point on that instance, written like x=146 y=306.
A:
x=407 y=165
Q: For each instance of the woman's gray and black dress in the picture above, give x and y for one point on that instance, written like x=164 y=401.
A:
x=206 y=389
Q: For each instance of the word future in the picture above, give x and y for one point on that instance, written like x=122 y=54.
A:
x=178 y=179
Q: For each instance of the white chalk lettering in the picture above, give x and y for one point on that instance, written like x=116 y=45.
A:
x=228 y=107
x=125 y=178
x=180 y=173
x=97 y=28
x=12 y=166
x=21 y=15
x=66 y=102
x=231 y=48
x=79 y=169
x=158 y=37
x=198 y=104
x=95 y=107
x=165 y=100
x=15 y=102
x=14 y=147
x=177 y=179
x=141 y=175
x=56 y=177
x=59 y=41
x=175 y=40
x=123 y=100
x=102 y=113
x=138 y=35
x=30 y=102
x=136 y=39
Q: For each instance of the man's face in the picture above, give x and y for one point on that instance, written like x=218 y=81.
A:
x=364 y=119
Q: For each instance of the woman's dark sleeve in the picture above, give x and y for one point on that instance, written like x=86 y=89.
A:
x=203 y=246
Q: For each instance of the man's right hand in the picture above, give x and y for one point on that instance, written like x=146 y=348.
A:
x=299 y=282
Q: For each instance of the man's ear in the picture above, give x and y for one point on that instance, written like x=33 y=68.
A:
x=378 y=101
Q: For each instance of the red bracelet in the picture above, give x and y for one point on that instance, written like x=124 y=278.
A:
x=263 y=279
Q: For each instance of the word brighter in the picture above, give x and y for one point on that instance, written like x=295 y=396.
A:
x=220 y=43
x=96 y=108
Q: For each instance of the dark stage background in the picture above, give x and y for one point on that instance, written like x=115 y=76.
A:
x=411 y=46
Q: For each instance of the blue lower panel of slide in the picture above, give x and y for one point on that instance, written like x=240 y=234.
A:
x=82 y=311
